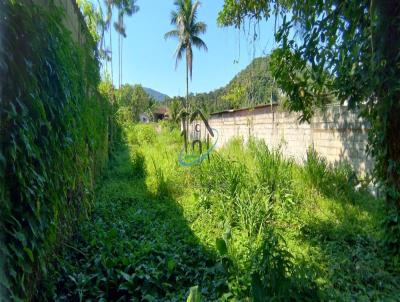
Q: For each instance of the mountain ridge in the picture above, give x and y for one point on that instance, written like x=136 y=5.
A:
x=253 y=85
x=158 y=96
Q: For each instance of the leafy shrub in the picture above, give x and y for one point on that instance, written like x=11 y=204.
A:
x=146 y=134
x=131 y=135
x=391 y=238
x=169 y=125
x=124 y=116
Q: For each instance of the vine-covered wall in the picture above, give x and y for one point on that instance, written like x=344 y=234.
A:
x=53 y=140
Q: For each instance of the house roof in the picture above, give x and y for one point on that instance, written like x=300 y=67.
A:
x=246 y=108
x=160 y=110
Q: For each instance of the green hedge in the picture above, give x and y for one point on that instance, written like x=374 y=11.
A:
x=53 y=140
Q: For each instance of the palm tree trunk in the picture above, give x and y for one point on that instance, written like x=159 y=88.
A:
x=111 y=56
x=186 y=121
x=187 y=85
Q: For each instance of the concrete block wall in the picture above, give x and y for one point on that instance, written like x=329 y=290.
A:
x=336 y=133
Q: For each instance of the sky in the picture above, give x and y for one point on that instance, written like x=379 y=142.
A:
x=149 y=60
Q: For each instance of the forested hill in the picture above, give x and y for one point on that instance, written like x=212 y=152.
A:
x=252 y=86
x=158 y=96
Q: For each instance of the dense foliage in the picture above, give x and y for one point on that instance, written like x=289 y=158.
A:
x=252 y=86
x=132 y=101
x=348 y=50
x=53 y=140
x=261 y=227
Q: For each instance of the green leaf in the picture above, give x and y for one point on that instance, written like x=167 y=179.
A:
x=194 y=295
x=221 y=246
x=171 y=265
x=29 y=252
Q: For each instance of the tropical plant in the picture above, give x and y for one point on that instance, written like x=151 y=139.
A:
x=99 y=23
x=174 y=108
x=187 y=32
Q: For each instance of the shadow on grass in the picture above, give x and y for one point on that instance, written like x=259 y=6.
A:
x=136 y=246
x=346 y=240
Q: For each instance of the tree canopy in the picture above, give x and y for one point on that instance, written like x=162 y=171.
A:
x=135 y=99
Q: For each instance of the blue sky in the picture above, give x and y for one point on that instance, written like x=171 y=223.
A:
x=148 y=58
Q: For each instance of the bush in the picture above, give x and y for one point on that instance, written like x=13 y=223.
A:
x=131 y=135
x=146 y=134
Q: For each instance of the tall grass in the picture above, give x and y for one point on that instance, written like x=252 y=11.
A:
x=243 y=190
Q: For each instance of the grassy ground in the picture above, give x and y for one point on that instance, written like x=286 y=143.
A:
x=245 y=226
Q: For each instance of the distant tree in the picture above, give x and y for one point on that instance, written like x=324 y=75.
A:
x=252 y=86
x=175 y=106
x=135 y=98
x=235 y=96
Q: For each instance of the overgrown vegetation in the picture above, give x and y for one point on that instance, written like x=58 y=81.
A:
x=132 y=101
x=246 y=225
x=54 y=141
x=346 y=51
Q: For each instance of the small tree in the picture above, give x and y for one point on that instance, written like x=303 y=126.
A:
x=174 y=108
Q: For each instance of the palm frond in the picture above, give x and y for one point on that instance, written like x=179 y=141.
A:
x=120 y=28
x=196 y=113
x=193 y=12
x=174 y=17
x=172 y=34
x=199 y=43
x=199 y=28
x=187 y=30
x=179 y=53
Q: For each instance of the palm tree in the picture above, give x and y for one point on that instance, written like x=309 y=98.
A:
x=125 y=7
x=187 y=32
